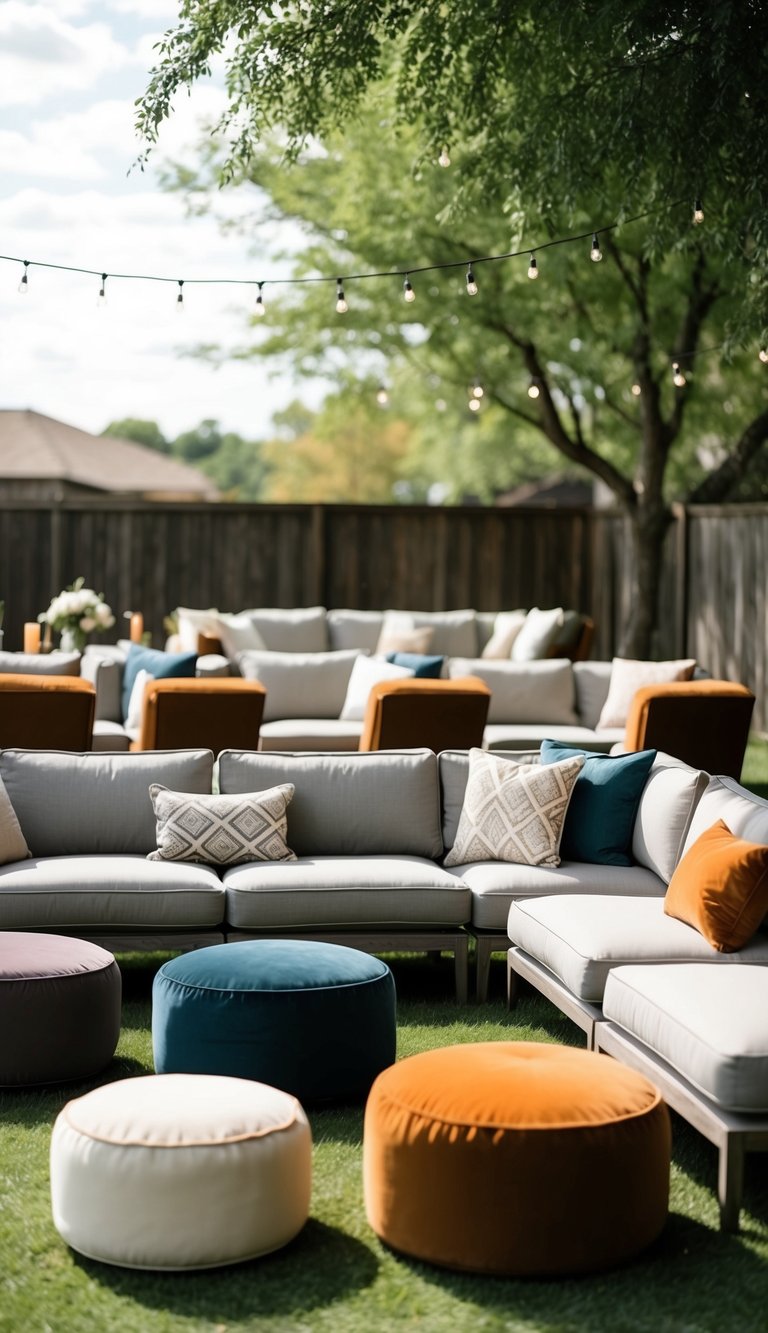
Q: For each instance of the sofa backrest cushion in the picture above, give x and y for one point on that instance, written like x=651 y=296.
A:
x=745 y=814
x=88 y=804
x=591 y=682
x=300 y=684
x=667 y=805
x=355 y=629
x=380 y=802
x=302 y=629
x=524 y=691
x=40 y=664
x=454 y=633
x=453 y=769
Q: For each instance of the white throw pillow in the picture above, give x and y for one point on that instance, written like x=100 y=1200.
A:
x=538 y=634
x=192 y=623
x=506 y=628
x=367 y=672
x=404 y=640
x=136 y=701
x=513 y=812
x=238 y=634
x=628 y=676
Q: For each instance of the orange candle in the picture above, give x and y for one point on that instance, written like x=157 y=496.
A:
x=32 y=636
x=137 y=626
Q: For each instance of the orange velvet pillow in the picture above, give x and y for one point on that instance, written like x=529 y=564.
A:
x=721 y=888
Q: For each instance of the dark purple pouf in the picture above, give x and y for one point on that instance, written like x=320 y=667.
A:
x=59 y=1008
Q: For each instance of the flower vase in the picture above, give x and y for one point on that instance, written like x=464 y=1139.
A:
x=72 y=641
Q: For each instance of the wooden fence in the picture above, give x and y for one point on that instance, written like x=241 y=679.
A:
x=154 y=557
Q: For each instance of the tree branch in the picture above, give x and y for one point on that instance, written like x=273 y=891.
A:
x=718 y=483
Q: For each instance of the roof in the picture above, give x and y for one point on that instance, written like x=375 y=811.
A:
x=36 y=447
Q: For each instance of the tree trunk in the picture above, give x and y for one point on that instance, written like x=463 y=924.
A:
x=648 y=527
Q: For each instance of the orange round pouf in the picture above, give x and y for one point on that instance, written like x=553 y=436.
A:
x=516 y=1158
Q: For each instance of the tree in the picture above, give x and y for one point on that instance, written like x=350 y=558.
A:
x=560 y=119
x=147 y=433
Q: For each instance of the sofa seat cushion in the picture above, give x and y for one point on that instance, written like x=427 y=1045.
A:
x=309 y=733
x=108 y=891
x=580 y=938
x=494 y=886
x=529 y=735
x=706 y=1022
x=345 y=891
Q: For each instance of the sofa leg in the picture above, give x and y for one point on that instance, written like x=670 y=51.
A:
x=513 y=985
x=730 y=1181
x=482 y=968
x=461 y=969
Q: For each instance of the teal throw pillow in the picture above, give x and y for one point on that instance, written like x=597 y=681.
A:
x=418 y=663
x=601 y=814
x=157 y=663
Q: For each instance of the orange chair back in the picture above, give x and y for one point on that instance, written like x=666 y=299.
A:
x=435 y=714
x=218 y=713
x=703 y=722
x=46 y=712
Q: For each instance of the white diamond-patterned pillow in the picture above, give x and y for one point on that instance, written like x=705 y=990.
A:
x=513 y=812
x=222 y=830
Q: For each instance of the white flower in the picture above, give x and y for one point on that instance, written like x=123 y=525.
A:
x=103 y=614
x=87 y=624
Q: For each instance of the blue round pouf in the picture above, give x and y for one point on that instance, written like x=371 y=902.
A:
x=317 y=1020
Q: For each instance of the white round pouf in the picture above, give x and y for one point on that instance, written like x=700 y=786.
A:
x=179 y=1171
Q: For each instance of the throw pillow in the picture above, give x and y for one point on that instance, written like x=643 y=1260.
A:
x=506 y=628
x=136 y=701
x=720 y=888
x=513 y=812
x=222 y=830
x=13 y=845
x=628 y=676
x=538 y=633
x=429 y=668
x=159 y=664
x=238 y=634
x=193 y=623
x=392 y=640
x=367 y=672
x=601 y=814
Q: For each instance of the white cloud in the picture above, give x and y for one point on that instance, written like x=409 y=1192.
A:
x=42 y=53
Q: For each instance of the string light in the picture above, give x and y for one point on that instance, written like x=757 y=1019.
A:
x=101 y=299
x=341 y=304
x=444 y=159
x=636 y=390
x=533 y=389
x=533 y=268
x=678 y=378
x=408 y=291
x=260 y=309
x=23 y=287
x=595 y=253
x=474 y=404
x=382 y=396
x=471 y=284
x=698 y=212
x=763 y=354
x=180 y=298
x=477 y=389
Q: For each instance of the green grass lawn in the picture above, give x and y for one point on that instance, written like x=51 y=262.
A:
x=336 y=1276
x=754 y=773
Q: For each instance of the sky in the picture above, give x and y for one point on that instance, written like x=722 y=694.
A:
x=70 y=72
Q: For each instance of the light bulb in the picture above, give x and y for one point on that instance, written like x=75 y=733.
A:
x=341 y=305
x=595 y=253
x=478 y=390
x=471 y=284
x=533 y=389
x=636 y=390
x=444 y=159
x=763 y=354
x=474 y=404
x=533 y=268
x=698 y=212
x=101 y=299
x=678 y=378
x=180 y=298
x=23 y=287
x=382 y=397
x=408 y=291
x=260 y=309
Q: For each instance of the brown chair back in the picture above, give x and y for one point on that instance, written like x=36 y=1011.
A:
x=46 y=712
x=435 y=714
x=218 y=713
x=703 y=722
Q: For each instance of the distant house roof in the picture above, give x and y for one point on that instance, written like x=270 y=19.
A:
x=34 y=447
x=550 y=492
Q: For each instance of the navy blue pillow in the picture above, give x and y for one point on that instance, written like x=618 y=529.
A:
x=601 y=813
x=157 y=663
x=419 y=663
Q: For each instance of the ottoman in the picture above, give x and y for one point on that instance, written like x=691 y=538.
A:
x=180 y=1171
x=516 y=1158
x=317 y=1020
x=60 y=1001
